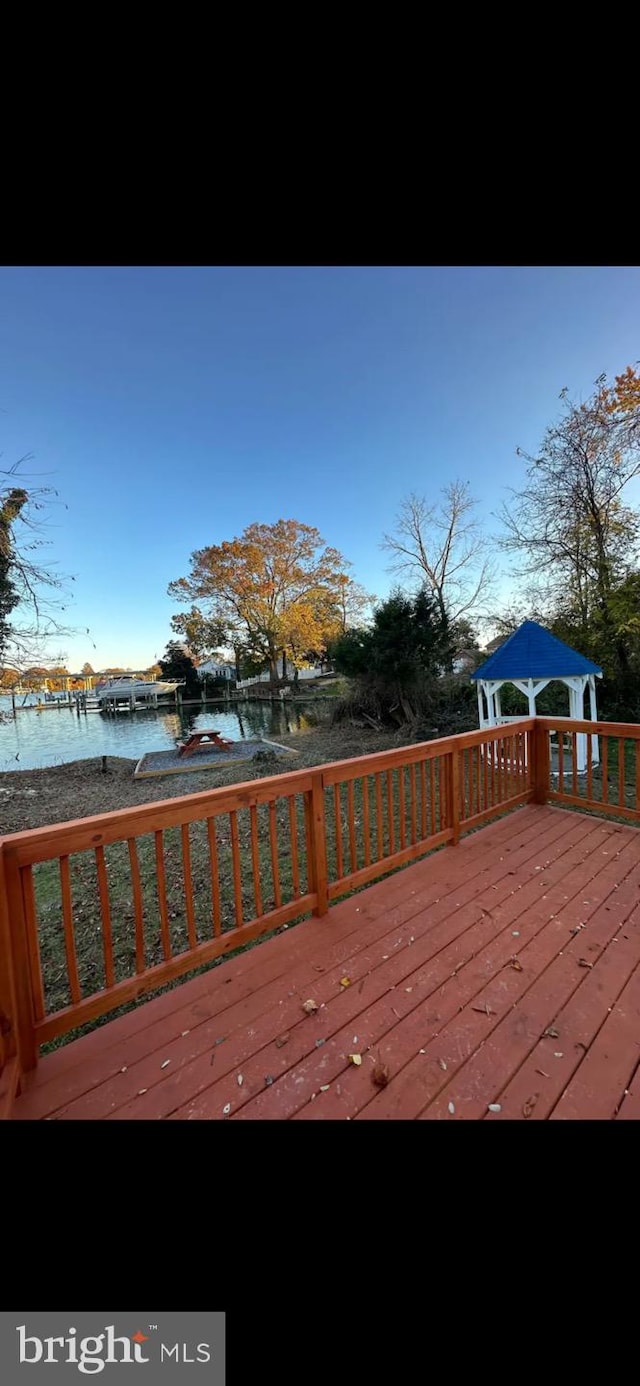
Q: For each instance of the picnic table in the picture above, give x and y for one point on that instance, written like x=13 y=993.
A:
x=203 y=738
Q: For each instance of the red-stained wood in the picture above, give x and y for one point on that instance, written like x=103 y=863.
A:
x=604 y=766
x=621 y=769
x=430 y=891
x=366 y=826
x=293 y=841
x=21 y=970
x=9 y=1082
x=432 y=801
x=138 y=912
x=105 y=917
x=402 y=806
x=412 y=790
x=351 y=815
x=318 y=837
x=390 y=815
x=379 y=817
x=215 y=878
x=161 y=888
x=67 y=924
x=188 y=884
x=337 y=813
x=33 y=946
x=590 y=767
x=574 y=763
x=453 y=796
x=237 y=869
x=637 y=763
x=255 y=856
x=273 y=845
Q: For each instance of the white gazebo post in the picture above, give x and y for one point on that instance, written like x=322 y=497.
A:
x=595 y=744
x=481 y=721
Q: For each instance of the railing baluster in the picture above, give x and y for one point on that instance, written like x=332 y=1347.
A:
x=605 y=769
x=432 y=799
x=379 y=816
x=273 y=843
x=401 y=793
x=485 y=775
x=365 y=820
x=69 y=940
x=105 y=912
x=561 y=762
x=590 y=769
x=293 y=833
x=161 y=886
x=188 y=886
x=621 y=771
x=412 y=784
x=478 y=773
x=215 y=879
x=390 y=822
x=337 y=813
x=574 y=761
x=137 y=903
x=637 y=799
x=255 y=856
x=423 y=798
x=352 y=827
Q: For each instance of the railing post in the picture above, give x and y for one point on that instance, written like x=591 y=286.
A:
x=453 y=795
x=541 y=763
x=314 y=803
x=13 y=935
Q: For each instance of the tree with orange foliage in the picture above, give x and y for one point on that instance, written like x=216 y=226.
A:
x=275 y=590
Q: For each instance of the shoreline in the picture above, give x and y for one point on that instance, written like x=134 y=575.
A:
x=79 y=789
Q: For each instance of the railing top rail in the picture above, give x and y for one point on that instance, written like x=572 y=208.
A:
x=571 y=724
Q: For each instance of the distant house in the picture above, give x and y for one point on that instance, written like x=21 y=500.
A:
x=213 y=669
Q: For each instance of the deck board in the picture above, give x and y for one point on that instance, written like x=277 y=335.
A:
x=414 y=973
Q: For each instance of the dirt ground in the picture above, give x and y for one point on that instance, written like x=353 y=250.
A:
x=34 y=798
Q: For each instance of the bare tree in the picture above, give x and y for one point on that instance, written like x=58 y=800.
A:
x=32 y=592
x=443 y=546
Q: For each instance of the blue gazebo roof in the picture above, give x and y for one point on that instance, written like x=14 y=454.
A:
x=534 y=653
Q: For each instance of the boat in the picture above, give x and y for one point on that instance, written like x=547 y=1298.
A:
x=134 y=689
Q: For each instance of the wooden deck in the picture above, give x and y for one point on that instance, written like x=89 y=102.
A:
x=504 y=974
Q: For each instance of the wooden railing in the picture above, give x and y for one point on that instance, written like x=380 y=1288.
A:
x=611 y=786
x=96 y=912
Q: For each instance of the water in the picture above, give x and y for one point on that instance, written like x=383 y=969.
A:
x=36 y=739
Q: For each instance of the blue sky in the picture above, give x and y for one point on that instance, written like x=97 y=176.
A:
x=171 y=407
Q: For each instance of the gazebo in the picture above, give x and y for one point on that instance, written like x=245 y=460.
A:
x=530 y=659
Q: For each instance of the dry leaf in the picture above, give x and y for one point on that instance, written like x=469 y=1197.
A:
x=355 y=1059
x=319 y=1042
x=516 y=964
x=166 y=1063
x=240 y=1080
x=282 y=1039
x=551 y=1032
x=185 y=1032
x=309 y=1007
x=495 y=1107
x=325 y=1087
x=345 y=981
x=440 y=1061
x=530 y=1104
x=142 y=1090
x=582 y=962
x=268 y=1080
x=451 y=1108
x=123 y=1070
x=380 y=1075
x=227 y=1109
x=542 y=1073
x=484 y=1010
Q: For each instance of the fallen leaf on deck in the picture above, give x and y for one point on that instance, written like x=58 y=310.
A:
x=542 y=1073
x=268 y=1080
x=142 y=1090
x=516 y=964
x=282 y=1039
x=309 y=1007
x=317 y=967
x=530 y=1104
x=240 y=1080
x=318 y=1042
x=325 y=1087
x=582 y=962
x=451 y=1108
x=345 y=981
x=495 y=1107
x=123 y=1070
x=166 y=1063
x=355 y=1059
x=380 y=1075
x=185 y=1032
x=227 y=1109
x=551 y=1032
x=440 y=1061
x=221 y=1040
x=484 y=1010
